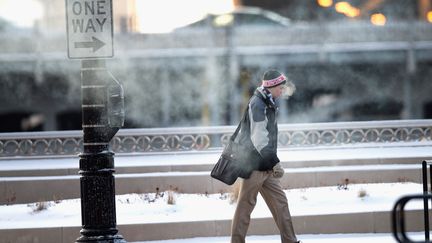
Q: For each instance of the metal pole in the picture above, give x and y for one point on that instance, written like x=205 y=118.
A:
x=427 y=228
x=425 y=201
x=98 y=210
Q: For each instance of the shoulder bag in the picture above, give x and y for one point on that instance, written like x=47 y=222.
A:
x=234 y=159
x=227 y=169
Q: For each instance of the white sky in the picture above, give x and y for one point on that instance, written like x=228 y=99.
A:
x=22 y=13
x=153 y=15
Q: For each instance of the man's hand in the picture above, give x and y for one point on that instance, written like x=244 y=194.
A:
x=278 y=171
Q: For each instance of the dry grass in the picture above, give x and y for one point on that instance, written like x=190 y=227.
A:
x=40 y=206
x=11 y=200
x=171 y=198
x=57 y=199
x=344 y=184
x=362 y=193
x=172 y=195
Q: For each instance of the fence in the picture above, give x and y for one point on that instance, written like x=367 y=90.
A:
x=69 y=143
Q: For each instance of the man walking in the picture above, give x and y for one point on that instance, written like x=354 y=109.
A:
x=260 y=126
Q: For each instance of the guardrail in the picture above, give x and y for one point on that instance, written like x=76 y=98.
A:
x=398 y=219
x=69 y=143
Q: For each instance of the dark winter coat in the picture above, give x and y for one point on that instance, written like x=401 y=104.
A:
x=259 y=131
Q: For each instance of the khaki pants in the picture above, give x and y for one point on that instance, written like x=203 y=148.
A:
x=271 y=190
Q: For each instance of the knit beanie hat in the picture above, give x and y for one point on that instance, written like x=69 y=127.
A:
x=273 y=78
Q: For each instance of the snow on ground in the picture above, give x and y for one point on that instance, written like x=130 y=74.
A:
x=331 y=238
x=373 y=151
x=154 y=208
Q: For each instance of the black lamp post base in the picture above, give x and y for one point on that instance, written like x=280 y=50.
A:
x=102 y=239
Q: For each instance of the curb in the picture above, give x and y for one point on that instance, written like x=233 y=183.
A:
x=362 y=222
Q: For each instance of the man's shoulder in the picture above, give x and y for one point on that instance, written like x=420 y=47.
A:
x=257 y=102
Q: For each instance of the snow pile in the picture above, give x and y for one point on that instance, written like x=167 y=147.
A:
x=154 y=207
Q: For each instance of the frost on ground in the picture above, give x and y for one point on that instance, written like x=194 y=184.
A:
x=172 y=206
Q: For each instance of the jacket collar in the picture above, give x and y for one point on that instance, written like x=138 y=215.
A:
x=265 y=95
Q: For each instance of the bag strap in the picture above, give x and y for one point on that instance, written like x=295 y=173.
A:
x=239 y=125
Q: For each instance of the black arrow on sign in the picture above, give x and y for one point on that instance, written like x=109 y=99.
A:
x=96 y=44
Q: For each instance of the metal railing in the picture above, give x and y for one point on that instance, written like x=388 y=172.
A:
x=399 y=220
x=426 y=188
x=68 y=143
x=398 y=212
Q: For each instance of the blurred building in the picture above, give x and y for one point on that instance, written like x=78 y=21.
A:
x=351 y=60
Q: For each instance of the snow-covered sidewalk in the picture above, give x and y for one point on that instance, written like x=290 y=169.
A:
x=331 y=238
x=154 y=208
x=379 y=151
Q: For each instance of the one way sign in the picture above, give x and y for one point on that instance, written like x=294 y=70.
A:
x=89 y=28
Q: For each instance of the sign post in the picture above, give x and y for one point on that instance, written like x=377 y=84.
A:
x=90 y=38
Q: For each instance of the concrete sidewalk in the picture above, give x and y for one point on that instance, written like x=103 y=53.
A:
x=202 y=160
x=323 y=238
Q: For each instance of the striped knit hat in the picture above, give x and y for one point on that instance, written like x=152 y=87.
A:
x=273 y=78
